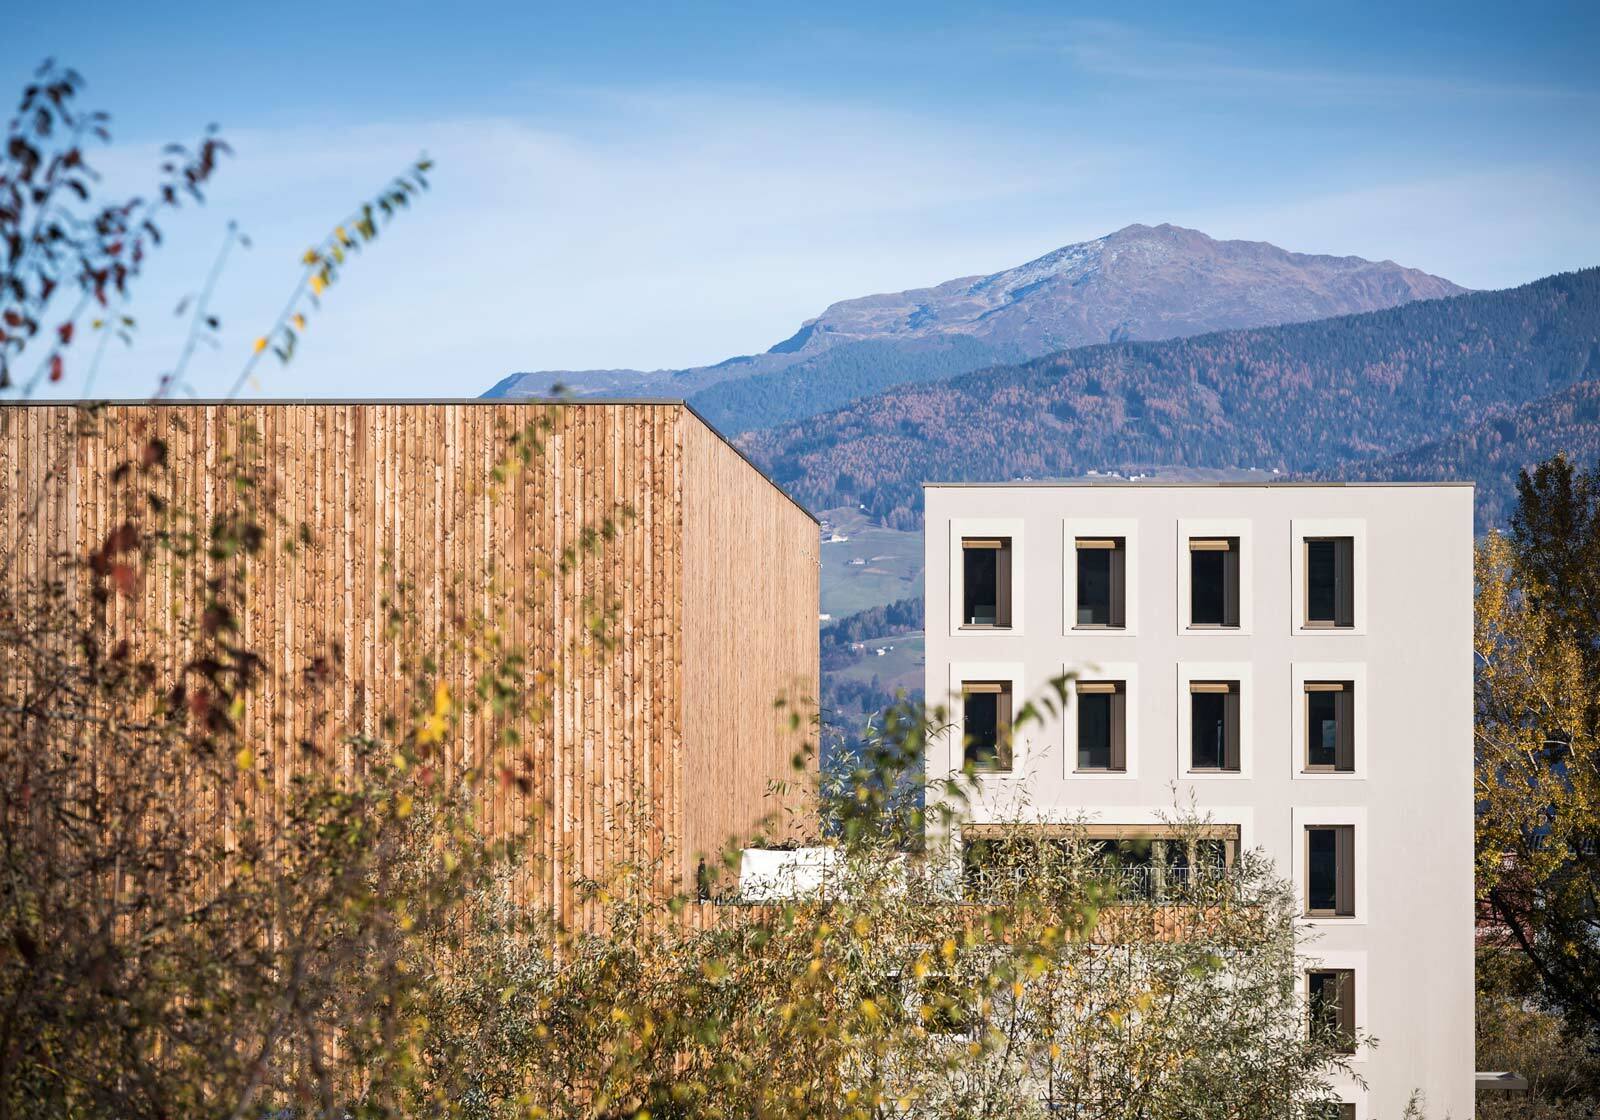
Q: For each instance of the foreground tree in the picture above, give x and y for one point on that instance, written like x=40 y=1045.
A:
x=1537 y=636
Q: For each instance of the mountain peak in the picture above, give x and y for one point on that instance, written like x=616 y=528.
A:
x=1137 y=283
x=1142 y=282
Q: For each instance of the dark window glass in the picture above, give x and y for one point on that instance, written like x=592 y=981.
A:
x=1210 y=714
x=1101 y=592
x=1322 y=725
x=1094 y=731
x=983 y=729
x=1330 y=726
x=1322 y=870
x=1330 y=581
x=1214 y=582
x=1214 y=727
x=978 y=586
x=1331 y=995
x=1094 y=586
x=1319 y=581
x=986 y=724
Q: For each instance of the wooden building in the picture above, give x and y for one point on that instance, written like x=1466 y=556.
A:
x=665 y=590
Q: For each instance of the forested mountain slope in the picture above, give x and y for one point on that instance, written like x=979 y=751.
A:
x=1306 y=397
x=1494 y=451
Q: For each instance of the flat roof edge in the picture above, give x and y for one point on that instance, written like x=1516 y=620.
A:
x=1130 y=484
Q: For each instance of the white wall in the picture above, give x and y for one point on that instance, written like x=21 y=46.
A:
x=1410 y=651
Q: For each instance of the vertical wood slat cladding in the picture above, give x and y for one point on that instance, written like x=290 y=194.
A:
x=663 y=744
x=739 y=655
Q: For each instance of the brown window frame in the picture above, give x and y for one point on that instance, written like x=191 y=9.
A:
x=1004 y=559
x=1231 y=581
x=1118 y=731
x=1343 y=1021
x=1344 y=871
x=1344 y=715
x=1004 y=716
x=1116 y=579
x=1344 y=585
x=1233 y=752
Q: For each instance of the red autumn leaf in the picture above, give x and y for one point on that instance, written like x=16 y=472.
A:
x=65 y=331
x=199 y=702
x=55 y=367
x=122 y=575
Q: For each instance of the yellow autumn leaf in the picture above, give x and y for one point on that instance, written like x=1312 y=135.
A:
x=438 y=721
x=299 y=321
x=245 y=758
x=261 y=344
x=403 y=806
x=318 y=284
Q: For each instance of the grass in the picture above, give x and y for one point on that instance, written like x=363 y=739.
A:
x=900 y=667
x=891 y=568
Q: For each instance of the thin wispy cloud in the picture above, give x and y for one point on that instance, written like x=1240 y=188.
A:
x=1132 y=53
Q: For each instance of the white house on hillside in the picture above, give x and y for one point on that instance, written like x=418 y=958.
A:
x=1296 y=657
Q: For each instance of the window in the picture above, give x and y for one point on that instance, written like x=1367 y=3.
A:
x=1214 y=726
x=1102 y=725
x=1330 y=582
x=1146 y=861
x=1331 y=998
x=1330 y=871
x=986 y=582
x=986 y=725
x=1214 y=582
x=1331 y=1110
x=1330 y=727
x=1102 y=580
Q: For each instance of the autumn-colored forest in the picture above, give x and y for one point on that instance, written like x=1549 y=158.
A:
x=1470 y=387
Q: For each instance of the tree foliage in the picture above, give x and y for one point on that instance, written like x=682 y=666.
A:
x=1538 y=755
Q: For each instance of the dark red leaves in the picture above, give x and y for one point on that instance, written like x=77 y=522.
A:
x=124 y=538
x=56 y=369
x=123 y=576
x=64 y=332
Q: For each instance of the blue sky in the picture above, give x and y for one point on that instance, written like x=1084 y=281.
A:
x=662 y=186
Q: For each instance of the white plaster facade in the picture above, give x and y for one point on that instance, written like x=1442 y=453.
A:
x=1409 y=652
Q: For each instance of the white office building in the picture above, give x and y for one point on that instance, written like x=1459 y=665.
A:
x=1297 y=658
